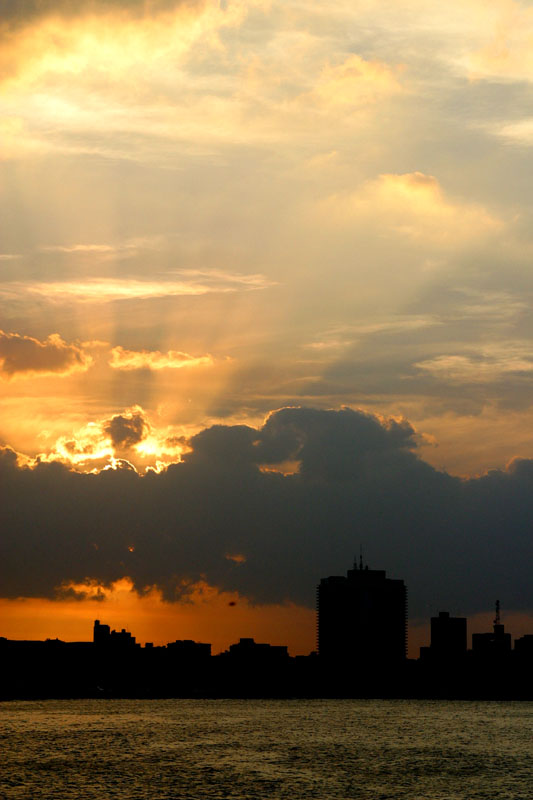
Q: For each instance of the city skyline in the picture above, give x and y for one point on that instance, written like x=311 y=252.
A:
x=360 y=617
x=361 y=652
x=265 y=294
x=357 y=613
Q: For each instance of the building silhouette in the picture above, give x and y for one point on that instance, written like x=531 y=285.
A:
x=362 y=618
x=249 y=650
x=187 y=649
x=497 y=643
x=524 y=647
x=448 y=638
x=103 y=636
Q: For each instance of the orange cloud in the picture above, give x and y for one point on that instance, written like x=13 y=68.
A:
x=62 y=39
x=154 y=359
x=356 y=82
x=86 y=450
x=102 y=290
x=237 y=558
x=126 y=440
x=506 y=54
x=412 y=205
x=25 y=356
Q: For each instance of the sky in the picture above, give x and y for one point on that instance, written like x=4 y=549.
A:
x=265 y=296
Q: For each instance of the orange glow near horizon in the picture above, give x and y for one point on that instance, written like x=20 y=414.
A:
x=207 y=615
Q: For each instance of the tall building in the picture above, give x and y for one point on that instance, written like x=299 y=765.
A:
x=362 y=618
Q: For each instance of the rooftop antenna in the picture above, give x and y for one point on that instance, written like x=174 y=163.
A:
x=497 y=617
x=360 y=556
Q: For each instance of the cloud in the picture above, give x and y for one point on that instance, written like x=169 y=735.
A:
x=153 y=359
x=102 y=445
x=126 y=430
x=412 y=205
x=127 y=248
x=91 y=249
x=218 y=517
x=105 y=290
x=506 y=55
x=63 y=39
x=355 y=82
x=520 y=132
x=487 y=366
x=132 y=84
x=89 y=449
x=22 y=12
x=237 y=558
x=23 y=356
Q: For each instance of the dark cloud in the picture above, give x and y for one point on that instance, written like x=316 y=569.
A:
x=15 y=13
x=126 y=430
x=457 y=543
x=24 y=354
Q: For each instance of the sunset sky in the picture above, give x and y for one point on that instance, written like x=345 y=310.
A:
x=265 y=294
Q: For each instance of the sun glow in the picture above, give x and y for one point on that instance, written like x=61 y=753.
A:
x=91 y=448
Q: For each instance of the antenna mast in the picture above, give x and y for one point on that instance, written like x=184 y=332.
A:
x=497 y=617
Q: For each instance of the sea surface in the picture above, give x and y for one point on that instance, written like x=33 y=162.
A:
x=199 y=749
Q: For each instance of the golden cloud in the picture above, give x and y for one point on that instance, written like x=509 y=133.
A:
x=87 y=450
x=70 y=39
x=507 y=52
x=99 y=445
x=153 y=359
x=23 y=356
x=412 y=205
x=124 y=85
x=102 y=290
x=90 y=249
x=357 y=82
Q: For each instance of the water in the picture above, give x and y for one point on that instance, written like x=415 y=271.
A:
x=253 y=749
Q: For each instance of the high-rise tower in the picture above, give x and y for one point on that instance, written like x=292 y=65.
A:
x=362 y=618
